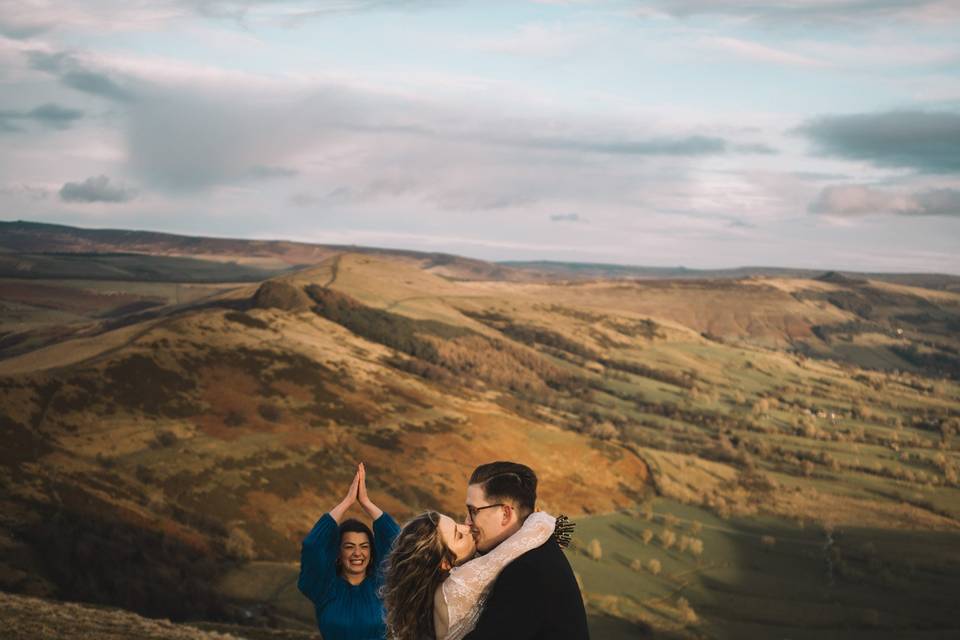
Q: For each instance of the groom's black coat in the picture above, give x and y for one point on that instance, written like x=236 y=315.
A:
x=535 y=598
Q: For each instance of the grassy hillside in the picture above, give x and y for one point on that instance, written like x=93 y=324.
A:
x=808 y=426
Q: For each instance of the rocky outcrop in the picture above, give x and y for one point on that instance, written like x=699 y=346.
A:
x=277 y=294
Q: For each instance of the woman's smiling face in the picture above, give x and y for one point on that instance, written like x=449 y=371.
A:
x=354 y=553
x=457 y=538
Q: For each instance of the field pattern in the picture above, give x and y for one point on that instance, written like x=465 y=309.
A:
x=760 y=457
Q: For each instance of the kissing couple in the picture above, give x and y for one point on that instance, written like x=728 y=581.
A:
x=501 y=574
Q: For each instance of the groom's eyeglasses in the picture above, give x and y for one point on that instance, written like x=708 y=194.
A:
x=473 y=511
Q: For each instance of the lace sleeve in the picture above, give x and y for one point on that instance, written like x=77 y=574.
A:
x=467 y=585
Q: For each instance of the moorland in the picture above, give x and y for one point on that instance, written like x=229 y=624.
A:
x=748 y=454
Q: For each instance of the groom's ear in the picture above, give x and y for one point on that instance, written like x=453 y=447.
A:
x=508 y=510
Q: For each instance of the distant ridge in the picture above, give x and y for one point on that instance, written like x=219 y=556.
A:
x=259 y=259
x=595 y=270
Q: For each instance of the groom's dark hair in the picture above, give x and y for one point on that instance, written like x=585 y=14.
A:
x=508 y=481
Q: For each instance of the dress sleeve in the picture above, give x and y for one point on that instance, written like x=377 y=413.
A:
x=385 y=531
x=318 y=556
x=467 y=584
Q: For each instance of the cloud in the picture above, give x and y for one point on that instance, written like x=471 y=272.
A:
x=761 y=52
x=926 y=141
x=614 y=143
x=304 y=200
x=184 y=137
x=545 y=40
x=75 y=74
x=760 y=149
x=292 y=12
x=186 y=128
x=53 y=115
x=360 y=148
x=25 y=191
x=19 y=29
x=29 y=19
x=49 y=17
x=266 y=172
x=95 y=189
x=862 y=200
x=48 y=115
x=481 y=197
x=791 y=12
x=193 y=135
x=677 y=146
x=882 y=52
x=939 y=202
x=567 y=217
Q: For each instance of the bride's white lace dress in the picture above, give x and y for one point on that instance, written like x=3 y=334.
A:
x=464 y=591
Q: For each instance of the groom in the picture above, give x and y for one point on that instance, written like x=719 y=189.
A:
x=536 y=596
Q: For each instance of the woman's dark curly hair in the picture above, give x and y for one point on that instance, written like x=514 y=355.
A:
x=413 y=573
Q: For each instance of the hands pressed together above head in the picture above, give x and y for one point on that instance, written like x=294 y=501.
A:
x=357 y=493
x=365 y=502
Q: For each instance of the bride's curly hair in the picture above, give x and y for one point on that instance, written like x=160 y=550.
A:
x=411 y=577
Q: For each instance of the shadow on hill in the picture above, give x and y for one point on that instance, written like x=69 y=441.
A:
x=129 y=267
x=701 y=576
x=91 y=555
x=610 y=627
x=169 y=311
x=784 y=581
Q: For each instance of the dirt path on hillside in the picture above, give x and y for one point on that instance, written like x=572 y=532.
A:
x=334 y=271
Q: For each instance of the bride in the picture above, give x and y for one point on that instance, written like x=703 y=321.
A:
x=433 y=589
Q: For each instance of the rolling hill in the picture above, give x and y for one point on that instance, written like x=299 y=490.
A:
x=788 y=442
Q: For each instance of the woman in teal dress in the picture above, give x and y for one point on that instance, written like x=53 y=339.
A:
x=341 y=567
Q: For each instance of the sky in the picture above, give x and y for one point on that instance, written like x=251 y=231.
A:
x=819 y=134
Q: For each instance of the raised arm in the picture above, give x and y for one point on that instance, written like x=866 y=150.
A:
x=318 y=553
x=318 y=556
x=385 y=531
x=466 y=584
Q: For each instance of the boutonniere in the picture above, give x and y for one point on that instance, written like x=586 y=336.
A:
x=563 y=531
